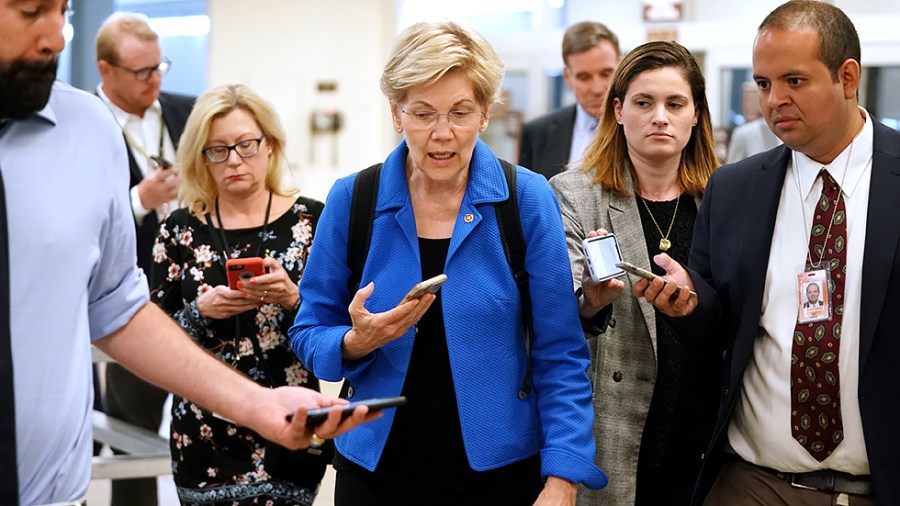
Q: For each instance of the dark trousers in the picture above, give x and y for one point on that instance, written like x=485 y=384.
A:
x=358 y=489
x=139 y=403
x=744 y=484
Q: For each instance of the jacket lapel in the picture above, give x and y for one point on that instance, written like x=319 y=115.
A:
x=626 y=222
x=756 y=241
x=560 y=139
x=882 y=234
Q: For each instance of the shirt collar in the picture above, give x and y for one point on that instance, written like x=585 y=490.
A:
x=46 y=113
x=122 y=117
x=584 y=121
x=860 y=157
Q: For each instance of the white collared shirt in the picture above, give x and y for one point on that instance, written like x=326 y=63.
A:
x=760 y=429
x=582 y=133
x=143 y=134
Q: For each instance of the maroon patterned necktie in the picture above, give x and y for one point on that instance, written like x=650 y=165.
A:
x=815 y=381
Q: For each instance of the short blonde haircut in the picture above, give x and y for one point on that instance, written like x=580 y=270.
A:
x=118 y=24
x=198 y=190
x=425 y=52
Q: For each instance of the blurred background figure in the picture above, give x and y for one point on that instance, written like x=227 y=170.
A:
x=754 y=136
x=590 y=52
x=131 y=66
x=236 y=206
x=470 y=433
x=642 y=179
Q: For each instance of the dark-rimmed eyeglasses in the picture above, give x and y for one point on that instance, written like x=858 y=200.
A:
x=145 y=73
x=244 y=149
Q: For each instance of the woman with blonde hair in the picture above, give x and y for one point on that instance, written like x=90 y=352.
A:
x=468 y=435
x=237 y=206
x=642 y=179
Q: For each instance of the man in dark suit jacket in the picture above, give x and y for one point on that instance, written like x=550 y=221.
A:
x=131 y=67
x=590 y=52
x=752 y=232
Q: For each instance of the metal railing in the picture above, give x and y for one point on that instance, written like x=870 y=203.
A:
x=146 y=452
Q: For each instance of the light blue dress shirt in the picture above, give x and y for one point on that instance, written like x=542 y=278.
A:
x=582 y=134
x=73 y=278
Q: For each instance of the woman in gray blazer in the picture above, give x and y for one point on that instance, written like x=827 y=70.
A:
x=642 y=179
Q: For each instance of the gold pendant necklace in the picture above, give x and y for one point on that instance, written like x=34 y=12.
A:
x=664 y=242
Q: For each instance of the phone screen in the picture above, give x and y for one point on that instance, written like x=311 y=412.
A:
x=601 y=254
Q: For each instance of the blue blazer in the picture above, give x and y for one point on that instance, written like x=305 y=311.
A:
x=729 y=258
x=482 y=315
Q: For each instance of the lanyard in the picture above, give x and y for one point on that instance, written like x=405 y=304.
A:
x=131 y=142
x=221 y=230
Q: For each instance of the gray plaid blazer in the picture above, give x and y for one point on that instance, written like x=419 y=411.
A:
x=623 y=360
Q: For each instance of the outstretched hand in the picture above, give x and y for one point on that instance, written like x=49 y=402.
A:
x=661 y=291
x=373 y=330
x=270 y=410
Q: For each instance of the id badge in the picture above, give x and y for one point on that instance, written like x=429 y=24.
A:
x=813 y=297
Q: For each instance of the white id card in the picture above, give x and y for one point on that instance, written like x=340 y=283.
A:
x=813 y=298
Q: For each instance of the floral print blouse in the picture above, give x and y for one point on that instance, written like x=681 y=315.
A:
x=214 y=460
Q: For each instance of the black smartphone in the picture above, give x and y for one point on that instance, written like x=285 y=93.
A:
x=162 y=162
x=316 y=416
x=644 y=273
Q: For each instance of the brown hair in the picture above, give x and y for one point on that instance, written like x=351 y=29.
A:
x=585 y=35
x=119 y=23
x=607 y=153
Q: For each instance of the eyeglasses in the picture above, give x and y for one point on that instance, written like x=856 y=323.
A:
x=244 y=149
x=145 y=73
x=426 y=120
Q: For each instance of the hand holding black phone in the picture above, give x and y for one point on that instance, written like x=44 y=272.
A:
x=637 y=271
x=316 y=416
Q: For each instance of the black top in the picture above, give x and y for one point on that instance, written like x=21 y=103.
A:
x=212 y=457
x=677 y=427
x=425 y=449
x=682 y=229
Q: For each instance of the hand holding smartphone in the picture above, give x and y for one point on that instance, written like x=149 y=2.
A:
x=644 y=273
x=161 y=162
x=243 y=269
x=602 y=254
x=430 y=285
x=316 y=416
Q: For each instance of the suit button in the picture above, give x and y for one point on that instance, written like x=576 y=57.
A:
x=617 y=376
x=725 y=393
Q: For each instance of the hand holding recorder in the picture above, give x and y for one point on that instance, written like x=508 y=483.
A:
x=598 y=278
x=665 y=293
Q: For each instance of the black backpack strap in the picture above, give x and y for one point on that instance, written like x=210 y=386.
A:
x=362 y=215
x=359 y=234
x=514 y=248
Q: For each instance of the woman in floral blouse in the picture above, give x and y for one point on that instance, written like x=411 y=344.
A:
x=236 y=206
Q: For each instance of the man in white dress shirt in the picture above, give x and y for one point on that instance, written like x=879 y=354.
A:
x=131 y=65
x=824 y=206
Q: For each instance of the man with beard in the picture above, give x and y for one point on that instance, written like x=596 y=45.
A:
x=131 y=67
x=68 y=278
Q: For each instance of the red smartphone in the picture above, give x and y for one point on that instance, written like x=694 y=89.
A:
x=242 y=269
